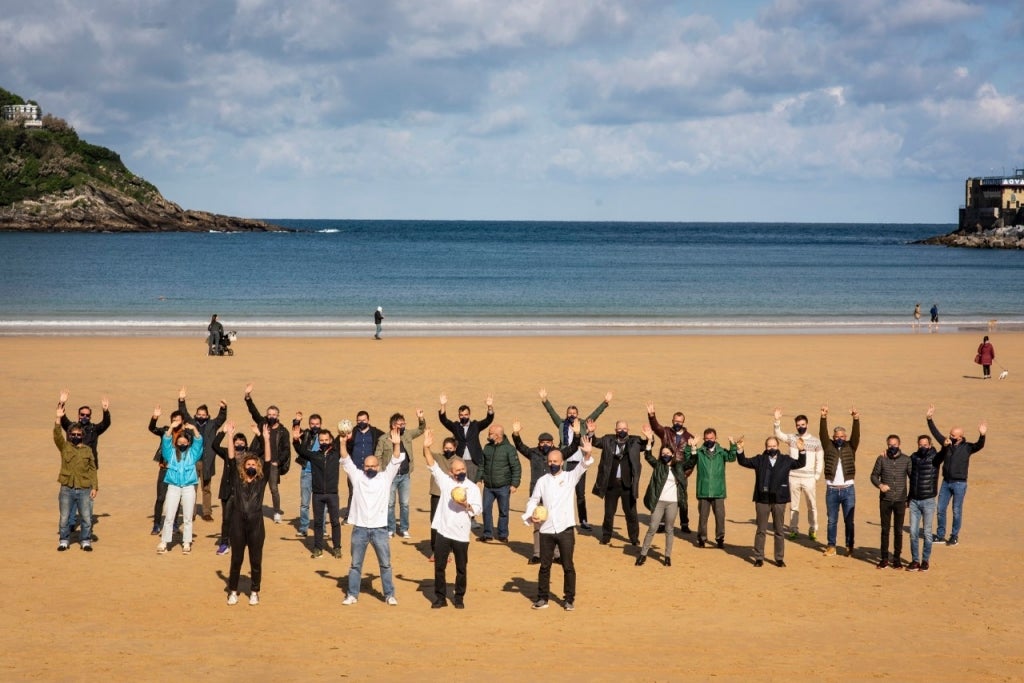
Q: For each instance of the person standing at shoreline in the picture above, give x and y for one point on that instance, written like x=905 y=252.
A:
x=934 y=312
x=216 y=331
x=568 y=429
x=986 y=354
x=378 y=320
x=954 y=475
x=802 y=481
x=917 y=315
x=840 y=468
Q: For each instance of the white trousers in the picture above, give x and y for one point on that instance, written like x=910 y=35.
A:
x=186 y=495
x=806 y=488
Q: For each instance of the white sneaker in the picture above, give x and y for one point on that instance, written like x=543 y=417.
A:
x=350 y=600
x=186 y=548
x=391 y=600
x=254 y=599
x=233 y=598
x=391 y=534
x=405 y=534
x=277 y=518
x=161 y=549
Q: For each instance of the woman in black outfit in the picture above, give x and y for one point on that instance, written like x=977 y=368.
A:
x=246 y=527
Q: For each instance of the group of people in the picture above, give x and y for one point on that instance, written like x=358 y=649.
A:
x=468 y=478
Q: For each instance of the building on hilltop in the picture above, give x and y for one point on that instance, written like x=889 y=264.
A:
x=993 y=202
x=28 y=114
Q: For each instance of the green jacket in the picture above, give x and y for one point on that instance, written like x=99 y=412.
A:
x=559 y=421
x=385 y=448
x=77 y=463
x=659 y=475
x=710 y=469
x=500 y=465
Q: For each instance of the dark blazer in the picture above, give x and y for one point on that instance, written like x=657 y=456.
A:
x=209 y=433
x=469 y=437
x=635 y=445
x=771 y=484
x=280 y=439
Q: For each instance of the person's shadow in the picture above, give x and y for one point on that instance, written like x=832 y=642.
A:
x=424 y=587
x=517 y=584
x=366 y=585
x=244 y=582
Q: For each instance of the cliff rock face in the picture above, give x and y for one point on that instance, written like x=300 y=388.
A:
x=92 y=208
x=1009 y=237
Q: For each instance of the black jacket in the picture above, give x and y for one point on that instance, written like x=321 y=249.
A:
x=209 y=432
x=894 y=473
x=634 y=446
x=771 y=484
x=538 y=460
x=325 y=465
x=846 y=455
x=230 y=471
x=90 y=432
x=280 y=440
x=469 y=437
x=924 y=473
x=958 y=457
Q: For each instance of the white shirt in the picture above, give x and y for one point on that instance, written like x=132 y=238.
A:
x=839 y=479
x=557 y=492
x=453 y=520
x=815 y=454
x=669 y=493
x=369 y=507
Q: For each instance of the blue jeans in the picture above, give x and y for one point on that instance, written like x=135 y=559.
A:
x=361 y=537
x=834 y=498
x=401 y=485
x=305 y=495
x=501 y=494
x=921 y=510
x=957 y=490
x=75 y=499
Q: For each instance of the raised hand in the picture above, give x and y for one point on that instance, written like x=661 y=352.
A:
x=800 y=443
x=854 y=413
x=63 y=398
x=419 y=413
x=692 y=442
x=648 y=432
x=105 y=403
x=777 y=414
x=182 y=393
x=229 y=429
x=156 y=412
x=608 y=397
x=428 y=438
x=650 y=407
x=255 y=428
x=396 y=437
x=586 y=445
x=543 y=394
x=444 y=400
x=982 y=427
x=248 y=388
x=296 y=432
x=489 y=401
x=516 y=427
x=824 y=411
x=266 y=436
x=930 y=413
x=223 y=404
x=298 y=416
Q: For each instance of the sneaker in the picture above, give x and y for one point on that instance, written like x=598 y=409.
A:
x=186 y=548
x=830 y=551
x=277 y=518
x=953 y=540
x=233 y=598
x=337 y=553
x=897 y=564
x=86 y=547
x=350 y=600
x=793 y=535
x=758 y=563
x=64 y=546
x=439 y=603
x=882 y=564
x=569 y=607
x=780 y=563
x=317 y=552
x=458 y=603
x=913 y=566
x=391 y=600
x=668 y=561
x=720 y=543
x=585 y=525
x=640 y=559
x=405 y=534
x=391 y=534
x=161 y=549
x=222 y=549
x=924 y=566
x=811 y=535
x=302 y=533
x=254 y=599
x=533 y=560
x=155 y=531
x=540 y=604
x=938 y=539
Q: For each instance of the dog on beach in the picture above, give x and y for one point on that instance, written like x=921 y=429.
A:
x=1004 y=374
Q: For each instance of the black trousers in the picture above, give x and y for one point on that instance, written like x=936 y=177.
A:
x=247 y=534
x=443 y=547
x=565 y=542
x=615 y=492
x=581 y=498
x=434 y=500
x=892 y=513
x=330 y=501
x=225 y=522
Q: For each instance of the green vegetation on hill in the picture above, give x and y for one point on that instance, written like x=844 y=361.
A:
x=37 y=162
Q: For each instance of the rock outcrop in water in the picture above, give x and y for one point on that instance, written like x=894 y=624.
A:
x=1009 y=237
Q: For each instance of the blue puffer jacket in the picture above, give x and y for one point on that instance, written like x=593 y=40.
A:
x=181 y=471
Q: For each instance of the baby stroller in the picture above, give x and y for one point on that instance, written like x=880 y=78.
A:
x=224 y=347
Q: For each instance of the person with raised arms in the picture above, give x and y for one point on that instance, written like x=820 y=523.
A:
x=248 y=530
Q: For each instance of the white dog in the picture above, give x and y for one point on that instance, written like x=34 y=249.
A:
x=1004 y=374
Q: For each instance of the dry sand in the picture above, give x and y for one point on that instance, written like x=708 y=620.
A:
x=124 y=612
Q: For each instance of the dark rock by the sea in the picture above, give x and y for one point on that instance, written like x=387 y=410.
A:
x=1009 y=237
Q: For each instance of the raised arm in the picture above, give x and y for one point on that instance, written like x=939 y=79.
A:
x=428 y=441
x=253 y=412
x=855 y=429
x=929 y=414
x=596 y=412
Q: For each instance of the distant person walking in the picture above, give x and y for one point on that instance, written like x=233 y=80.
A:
x=378 y=319
x=917 y=315
x=986 y=354
x=935 y=316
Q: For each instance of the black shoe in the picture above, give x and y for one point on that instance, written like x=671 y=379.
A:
x=605 y=541
x=686 y=529
x=87 y=548
x=484 y=539
x=701 y=544
x=953 y=540
x=668 y=561
x=61 y=548
x=155 y=531
x=640 y=560
x=938 y=539
x=439 y=603
x=720 y=542
x=533 y=560
x=897 y=564
x=458 y=603
x=634 y=541
x=882 y=564
x=780 y=563
x=502 y=539
x=585 y=525
x=758 y=563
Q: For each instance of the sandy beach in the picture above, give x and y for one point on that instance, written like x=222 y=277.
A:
x=124 y=612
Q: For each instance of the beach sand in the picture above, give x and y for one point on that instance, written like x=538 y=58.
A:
x=123 y=612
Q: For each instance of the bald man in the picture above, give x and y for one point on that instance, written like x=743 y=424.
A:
x=954 y=475
x=618 y=478
x=501 y=474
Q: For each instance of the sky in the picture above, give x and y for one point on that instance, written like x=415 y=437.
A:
x=610 y=110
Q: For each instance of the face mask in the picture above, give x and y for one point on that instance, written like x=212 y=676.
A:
x=953 y=439
x=709 y=444
x=401 y=431
x=271 y=421
x=362 y=426
x=677 y=428
x=666 y=459
x=182 y=447
x=892 y=450
x=448 y=453
x=554 y=469
x=464 y=420
x=622 y=433
x=801 y=430
x=325 y=446
x=570 y=419
x=76 y=440
x=490 y=440
x=251 y=471
x=202 y=420
x=370 y=474
x=460 y=477
x=545 y=449
x=772 y=452
x=85 y=419
x=314 y=430
x=923 y=450
x=839 y=443
x=239 y=446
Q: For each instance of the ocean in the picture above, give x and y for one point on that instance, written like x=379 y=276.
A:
x=504 y=278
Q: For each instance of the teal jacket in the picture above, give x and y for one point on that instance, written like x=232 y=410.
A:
x=181 y=471
x=710 y=469
x=659 y=476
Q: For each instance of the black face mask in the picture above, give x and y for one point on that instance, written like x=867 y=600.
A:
x=464 y=420
x=801 y=430
x=362 y=426
x=545 y=449
x=923 y=450
x=709 y=444
x=622 y=434
x=448 y=453
x=251 y=471
x=85 y=419
x=677 y=428
x=554 y=469
x=76 y=439
x=239 y=446
x=461 y=476
x=325 y=446
x=202 y=420
x=892 y=450
x=182 y=447
x=314 y=430
x=772 y=452
x=839 y=443
x=370 y=474
x=271 y=421
x=666 y=458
